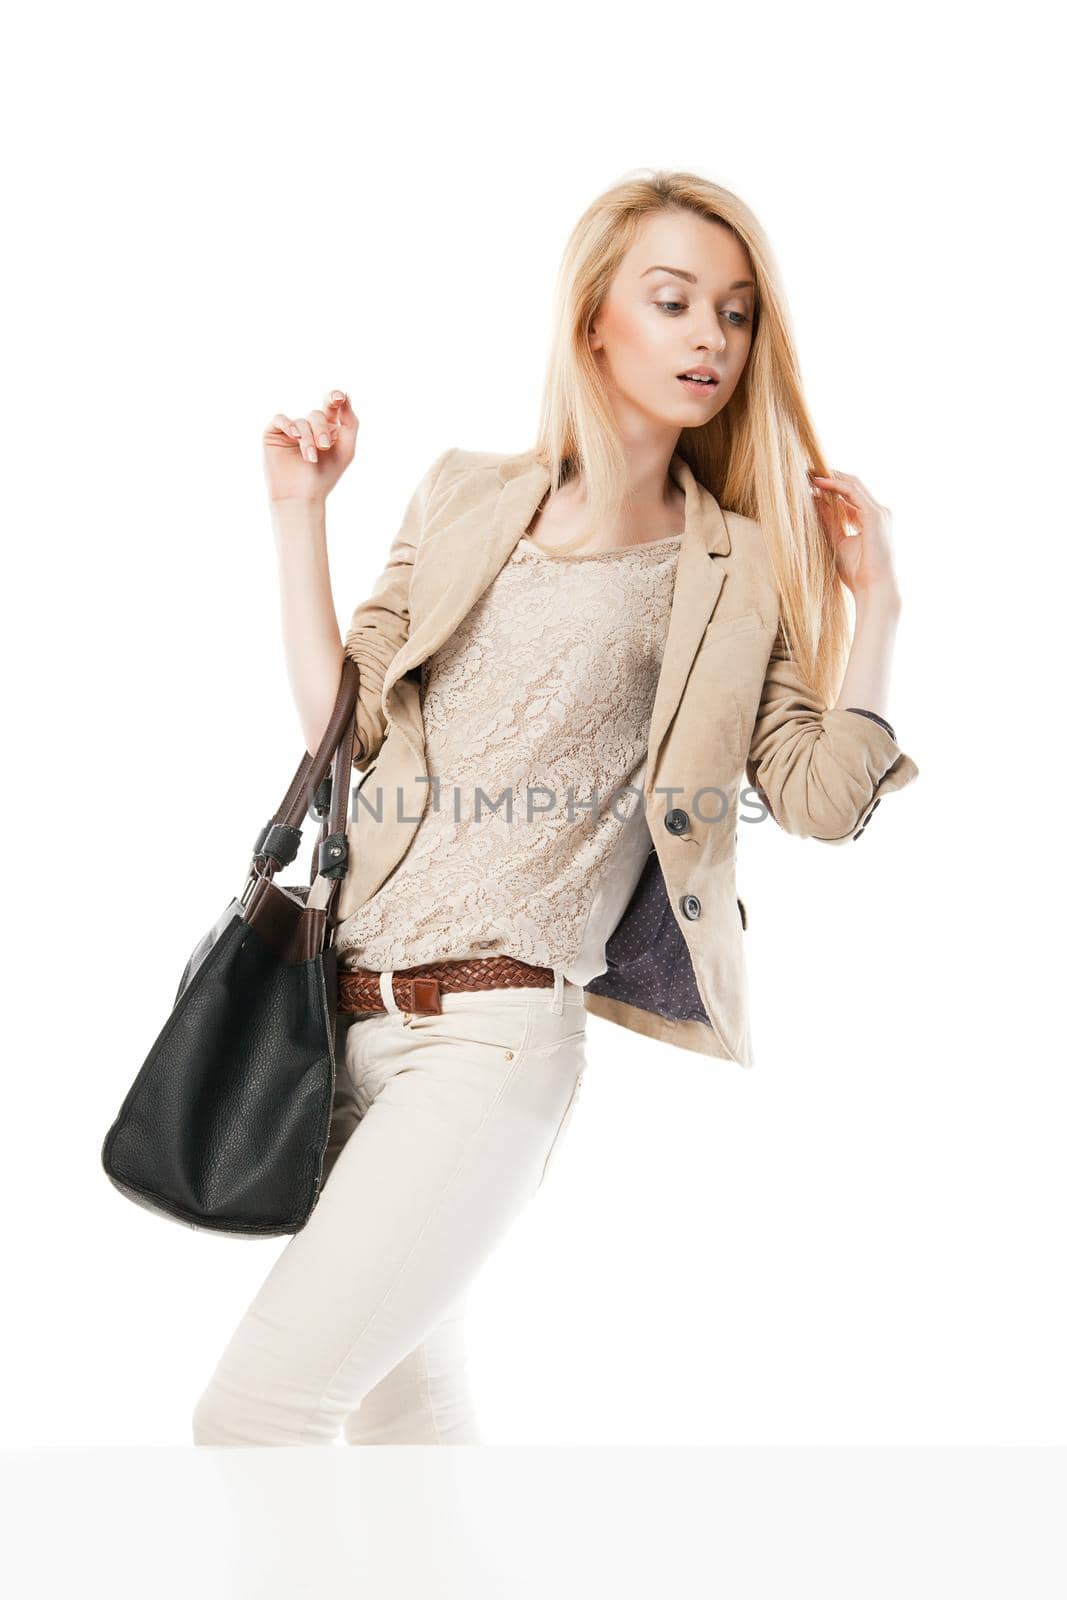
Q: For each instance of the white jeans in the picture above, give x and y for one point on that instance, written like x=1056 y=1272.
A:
x=443 y=1130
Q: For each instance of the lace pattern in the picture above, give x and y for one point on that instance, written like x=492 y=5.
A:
x=548 y=681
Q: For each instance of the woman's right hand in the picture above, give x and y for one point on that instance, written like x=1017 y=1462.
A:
x=297 y=463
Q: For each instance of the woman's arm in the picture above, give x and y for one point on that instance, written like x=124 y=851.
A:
x=310 y=636
x=822 y=771
x=380 y=624
x=303 y=460
x=866 y=680
x=865 y=564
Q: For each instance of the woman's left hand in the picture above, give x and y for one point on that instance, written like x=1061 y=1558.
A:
x=864 y=559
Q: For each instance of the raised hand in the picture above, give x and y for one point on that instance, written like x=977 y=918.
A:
x=865 y=559
x=303 y=457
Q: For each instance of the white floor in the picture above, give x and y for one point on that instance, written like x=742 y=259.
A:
x=222 y=1524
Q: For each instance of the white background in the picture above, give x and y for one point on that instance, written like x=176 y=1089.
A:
x=221 y=213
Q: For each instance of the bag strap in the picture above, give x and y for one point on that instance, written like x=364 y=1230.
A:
x=324 y=795
x=331 y=852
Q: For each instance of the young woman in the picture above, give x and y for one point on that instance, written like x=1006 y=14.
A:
x=570 y=661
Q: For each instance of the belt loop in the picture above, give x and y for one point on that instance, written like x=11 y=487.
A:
x=385 y=986
x=557 y=991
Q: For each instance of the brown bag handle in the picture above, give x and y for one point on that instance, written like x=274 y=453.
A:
x=278 y=841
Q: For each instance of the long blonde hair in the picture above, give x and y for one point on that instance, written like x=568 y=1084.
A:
x=753 y=457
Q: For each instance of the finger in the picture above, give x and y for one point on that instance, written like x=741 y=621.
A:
x=342 y=413
x=830 y=488
x=282 y=424
x=827 y=520
x=835 y=511
x=836 y=486
x=846 y=483
x=307 y=443
x=859 y=492
x=321 y=429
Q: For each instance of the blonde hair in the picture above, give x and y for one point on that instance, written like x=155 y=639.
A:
x=753 y=457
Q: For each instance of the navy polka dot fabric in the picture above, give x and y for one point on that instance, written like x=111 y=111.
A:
x=648 y=960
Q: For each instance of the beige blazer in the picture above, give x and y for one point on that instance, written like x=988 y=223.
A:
x=727 y=705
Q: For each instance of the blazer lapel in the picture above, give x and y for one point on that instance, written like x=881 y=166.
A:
x=468 y=557
x=697 y=583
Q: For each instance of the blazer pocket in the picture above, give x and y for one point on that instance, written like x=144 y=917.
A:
x=748 y=622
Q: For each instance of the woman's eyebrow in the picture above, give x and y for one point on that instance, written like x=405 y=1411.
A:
x=691 y=277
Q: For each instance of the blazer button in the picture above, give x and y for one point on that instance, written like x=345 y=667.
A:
x=690 y=906
x=676 y=821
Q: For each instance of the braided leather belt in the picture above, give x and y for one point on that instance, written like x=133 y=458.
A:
x=419 y=989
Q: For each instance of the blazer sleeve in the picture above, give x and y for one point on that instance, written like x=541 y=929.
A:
x=379 y=625
x=821 y=771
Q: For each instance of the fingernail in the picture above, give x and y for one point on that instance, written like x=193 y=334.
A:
x=313 y=454
x=337 y=395
x=324 y=439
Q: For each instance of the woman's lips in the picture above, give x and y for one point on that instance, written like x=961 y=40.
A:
x=696 y=387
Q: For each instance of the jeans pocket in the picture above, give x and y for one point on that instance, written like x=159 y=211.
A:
x=501 y=1028
x=562 y=1128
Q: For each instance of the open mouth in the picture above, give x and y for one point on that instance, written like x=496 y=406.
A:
x=696 y=381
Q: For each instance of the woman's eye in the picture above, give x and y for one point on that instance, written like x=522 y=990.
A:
x=673 y=307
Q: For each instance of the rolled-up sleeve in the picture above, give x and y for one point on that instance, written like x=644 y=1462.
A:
x=821 y=771
x=379 y=625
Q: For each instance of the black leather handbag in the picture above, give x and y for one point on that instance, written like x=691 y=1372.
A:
x=225 y=1126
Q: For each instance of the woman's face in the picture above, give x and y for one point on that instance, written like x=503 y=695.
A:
x=682 y=297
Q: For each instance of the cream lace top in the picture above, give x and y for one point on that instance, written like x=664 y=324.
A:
x=548 y=681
